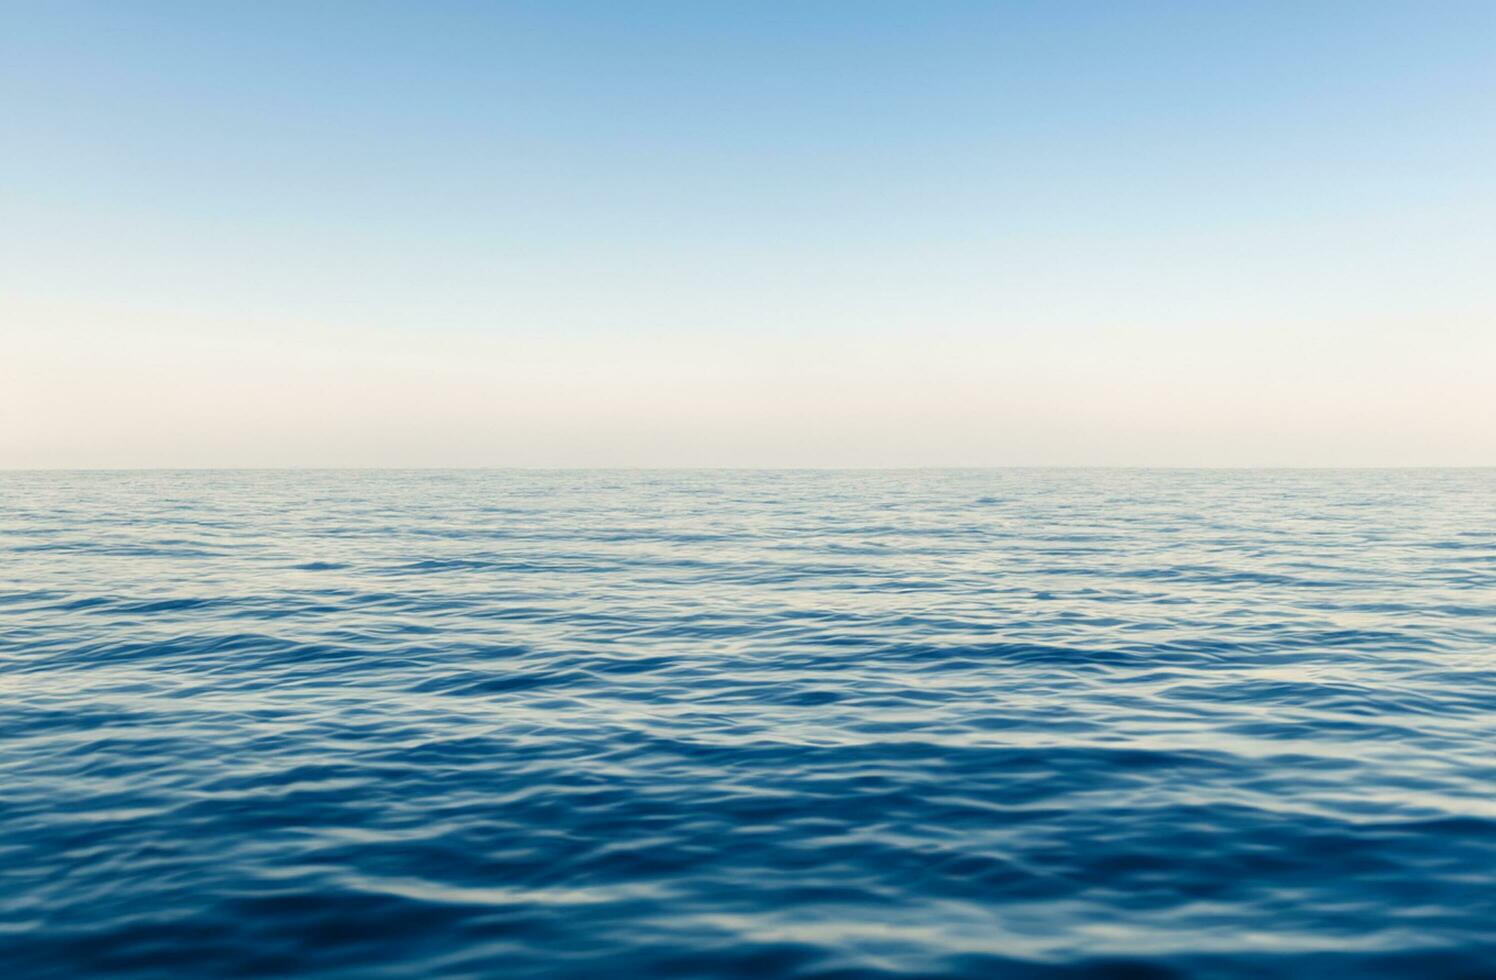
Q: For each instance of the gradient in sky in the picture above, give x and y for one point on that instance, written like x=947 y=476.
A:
x=747 y=234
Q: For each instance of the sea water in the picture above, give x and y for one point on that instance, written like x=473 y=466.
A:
x=819 y=724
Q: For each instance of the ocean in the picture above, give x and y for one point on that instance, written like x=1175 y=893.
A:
x=985 y=723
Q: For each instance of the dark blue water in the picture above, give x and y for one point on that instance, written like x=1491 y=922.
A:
x=1021 y=723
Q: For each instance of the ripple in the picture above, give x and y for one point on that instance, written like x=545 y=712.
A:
x=940 y=724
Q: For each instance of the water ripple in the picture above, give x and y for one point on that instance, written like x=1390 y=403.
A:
x=938 y=724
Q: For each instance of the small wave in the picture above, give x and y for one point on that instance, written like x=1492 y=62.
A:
x=828 y=725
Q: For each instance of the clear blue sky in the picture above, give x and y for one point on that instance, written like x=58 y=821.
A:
x=427 y=233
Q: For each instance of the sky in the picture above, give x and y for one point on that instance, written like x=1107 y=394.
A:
x=747 y=234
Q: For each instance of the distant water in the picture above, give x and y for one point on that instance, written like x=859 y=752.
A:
x=735 y=724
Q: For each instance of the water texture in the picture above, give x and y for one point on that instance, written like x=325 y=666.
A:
x=814 y=724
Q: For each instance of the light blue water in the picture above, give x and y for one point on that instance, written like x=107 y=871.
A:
x=1019 y=723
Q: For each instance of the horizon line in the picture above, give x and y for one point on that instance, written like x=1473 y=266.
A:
x=1120 y=467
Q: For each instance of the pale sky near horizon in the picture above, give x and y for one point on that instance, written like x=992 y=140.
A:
x=747 y=234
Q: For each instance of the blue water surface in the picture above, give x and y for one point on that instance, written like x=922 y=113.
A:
x=746 y=724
